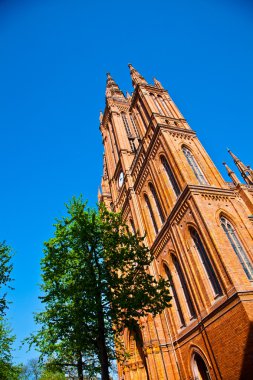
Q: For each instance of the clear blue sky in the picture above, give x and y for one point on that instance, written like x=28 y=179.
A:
x=53 y=58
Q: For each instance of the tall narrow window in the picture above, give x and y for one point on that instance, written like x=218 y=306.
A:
x=193 y=164
x=170 y=175
x=157 y=104
x=144 y=123
x=132 y=145
x=134 y=126
x=164 y=105
x=132 y=226
x=237 y=247
x=151 y=213
x=174 y=295
x=206 y=262
x=184 y=286
x=157 y=202
x=125 y=121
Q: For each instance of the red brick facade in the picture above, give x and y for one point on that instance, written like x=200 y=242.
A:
x=200 y=229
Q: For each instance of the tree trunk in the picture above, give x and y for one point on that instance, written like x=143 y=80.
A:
x=80 y=367
x=103 y=356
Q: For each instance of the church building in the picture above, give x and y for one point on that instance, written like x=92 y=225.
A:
x=200 y=229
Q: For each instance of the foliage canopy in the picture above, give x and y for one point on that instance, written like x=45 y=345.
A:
x=96 y=283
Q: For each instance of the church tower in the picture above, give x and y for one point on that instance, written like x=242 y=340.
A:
x=199 y=227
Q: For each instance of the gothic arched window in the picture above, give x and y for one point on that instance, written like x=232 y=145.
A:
x=134 y=126
x=184 y=287
x=200 y=369
x=170 y=175
x=125 y=121
x=151 y=214
x=157 y=104
x=206 y=262
x=157 y=202
x=193 y=164
x=237 y=247
x=174 y=295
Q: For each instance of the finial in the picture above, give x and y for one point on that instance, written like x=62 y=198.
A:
x=246 y=172
x=101 y=116
x=231 y=174
x=137 y=78
x=128 y=95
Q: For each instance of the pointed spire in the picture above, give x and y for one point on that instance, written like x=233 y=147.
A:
x=231 y=174
x=137 y=78
x=246 y=171
x=112 y=89
x=128 y=95
x=157 y=83
x=101 y=116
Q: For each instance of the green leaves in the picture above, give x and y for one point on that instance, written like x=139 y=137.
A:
x=5 y=275
x=7 y=369
x=96 y=282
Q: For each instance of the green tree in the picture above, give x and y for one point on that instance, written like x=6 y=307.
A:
x=96 y=282
x=5 y=276
x=52 y=375
x=7 y=369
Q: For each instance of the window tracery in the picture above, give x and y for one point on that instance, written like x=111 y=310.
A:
x=195 y=167
x=237 y=247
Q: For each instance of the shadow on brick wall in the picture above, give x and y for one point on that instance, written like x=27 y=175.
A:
x=247 y=365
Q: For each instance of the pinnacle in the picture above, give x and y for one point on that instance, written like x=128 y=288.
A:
x=111 y=87
x=137 y=78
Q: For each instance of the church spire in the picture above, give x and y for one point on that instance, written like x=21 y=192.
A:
x=246 y=171
x=231 y=174
x=112 y=89
x=137 y=78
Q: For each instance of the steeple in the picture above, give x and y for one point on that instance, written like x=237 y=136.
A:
x=112 y=89
x=231 y=174
x=137 y=78
x=246 y=171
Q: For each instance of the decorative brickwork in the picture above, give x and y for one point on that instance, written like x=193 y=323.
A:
x=198 y=226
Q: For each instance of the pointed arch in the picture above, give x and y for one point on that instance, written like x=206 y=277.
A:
x=158 y=107
x=157 y=202
x=136 y=352
x=237 y=246
x=200 y=367
x=170 y=175
x=205 y=261
x=194 y=165
x=151 y=214
x=186 y=292
x=175 y=295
